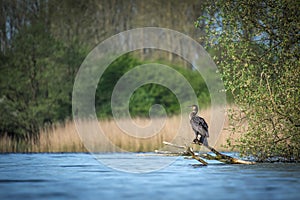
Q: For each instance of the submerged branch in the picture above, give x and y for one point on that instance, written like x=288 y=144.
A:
x=188 y=151
x=219 y=156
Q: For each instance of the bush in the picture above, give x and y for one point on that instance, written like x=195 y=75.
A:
x=256 y=49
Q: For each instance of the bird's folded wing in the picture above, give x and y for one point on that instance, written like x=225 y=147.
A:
x=199 y=125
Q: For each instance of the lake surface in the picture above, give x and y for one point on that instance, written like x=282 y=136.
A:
x=81 y=176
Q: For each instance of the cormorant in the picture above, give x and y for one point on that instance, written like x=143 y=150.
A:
x=199 y=126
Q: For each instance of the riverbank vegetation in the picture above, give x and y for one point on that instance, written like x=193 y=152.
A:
x=42 y=49
x=254 y=44
x=65 y=138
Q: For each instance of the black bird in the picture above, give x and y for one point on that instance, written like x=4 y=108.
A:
x=199 y=126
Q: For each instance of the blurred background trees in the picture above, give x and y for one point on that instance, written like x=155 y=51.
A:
x=43 y=44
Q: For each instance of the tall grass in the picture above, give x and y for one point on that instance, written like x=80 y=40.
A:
x=65 y=137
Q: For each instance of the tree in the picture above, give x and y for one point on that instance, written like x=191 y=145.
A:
x=256 y=47
x=36 y=82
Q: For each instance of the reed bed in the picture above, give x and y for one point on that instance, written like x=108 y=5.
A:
x=109 y=137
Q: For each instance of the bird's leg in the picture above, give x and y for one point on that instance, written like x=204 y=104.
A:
x=201 y=139
x=197 y=139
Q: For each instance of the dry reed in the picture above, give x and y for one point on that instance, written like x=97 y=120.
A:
x=65 y=137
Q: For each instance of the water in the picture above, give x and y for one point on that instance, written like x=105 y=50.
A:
x=81 y=176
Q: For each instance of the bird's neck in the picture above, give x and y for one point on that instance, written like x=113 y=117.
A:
x=192 y=114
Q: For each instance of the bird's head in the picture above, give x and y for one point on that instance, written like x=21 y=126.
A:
x=194 y=108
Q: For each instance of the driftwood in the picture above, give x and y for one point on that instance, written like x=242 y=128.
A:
x=189 y=151
x=219 y=156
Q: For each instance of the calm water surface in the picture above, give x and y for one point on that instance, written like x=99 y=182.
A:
x=81 y=176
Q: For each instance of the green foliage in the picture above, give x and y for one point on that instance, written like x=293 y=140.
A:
x=36 y=82
x=147 y=95
x=256 y=46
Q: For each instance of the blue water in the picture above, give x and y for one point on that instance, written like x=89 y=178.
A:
x=81 y=176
